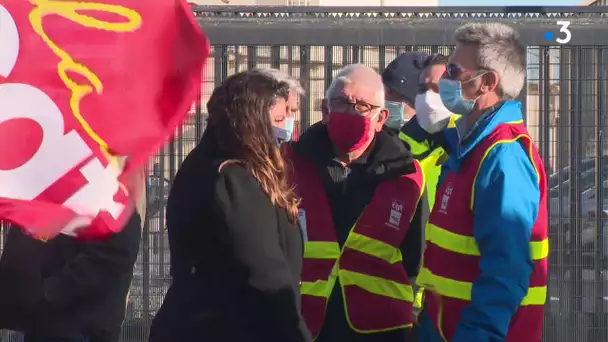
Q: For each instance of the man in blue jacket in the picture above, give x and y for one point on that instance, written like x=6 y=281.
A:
x=485 y=263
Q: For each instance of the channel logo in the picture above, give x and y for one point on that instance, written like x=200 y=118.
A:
x=564 y=35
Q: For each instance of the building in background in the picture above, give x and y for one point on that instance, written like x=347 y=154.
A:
x=594 y=3
x=224 y=2
x=391 y=3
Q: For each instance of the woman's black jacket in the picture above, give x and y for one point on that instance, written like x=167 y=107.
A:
x=236 y=259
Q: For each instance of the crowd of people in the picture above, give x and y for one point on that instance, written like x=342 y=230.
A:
x=415 y=210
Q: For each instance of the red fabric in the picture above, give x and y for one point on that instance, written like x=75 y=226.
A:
x=452 y=212
x=349 y=132
x=353 y=260
x=79 y=80
x=386 y=218
x=369 y=312
x=295 y=135
x=319 y=228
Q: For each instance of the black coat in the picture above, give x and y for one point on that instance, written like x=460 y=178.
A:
x=66 y=287
x=391 y=131
x=235 y=258
x=349 y=190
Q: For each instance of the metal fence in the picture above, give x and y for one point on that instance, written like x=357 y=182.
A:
x=565 y=110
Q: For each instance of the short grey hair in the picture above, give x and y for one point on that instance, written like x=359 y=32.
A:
x=343 y=77
x=281 y=76
x=499 y=50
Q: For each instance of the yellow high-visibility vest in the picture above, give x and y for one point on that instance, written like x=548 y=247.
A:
x=431 y=165
x=430 y=161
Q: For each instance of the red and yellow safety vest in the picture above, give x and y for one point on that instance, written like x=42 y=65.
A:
x=451 y=258
x=377 y=294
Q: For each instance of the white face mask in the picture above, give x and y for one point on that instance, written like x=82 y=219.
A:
x=430 y=112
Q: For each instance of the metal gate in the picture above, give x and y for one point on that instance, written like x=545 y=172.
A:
x=566 y=112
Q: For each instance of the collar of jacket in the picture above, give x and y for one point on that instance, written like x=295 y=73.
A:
x=503 y=112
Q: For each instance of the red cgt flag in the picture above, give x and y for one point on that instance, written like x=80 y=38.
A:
x=85 y=85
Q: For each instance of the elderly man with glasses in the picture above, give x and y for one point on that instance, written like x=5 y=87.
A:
x=485 y=263
x=363 y=210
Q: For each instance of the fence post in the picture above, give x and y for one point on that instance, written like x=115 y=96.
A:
x=305 y=80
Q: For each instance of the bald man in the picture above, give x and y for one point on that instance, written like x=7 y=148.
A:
x=361 y=213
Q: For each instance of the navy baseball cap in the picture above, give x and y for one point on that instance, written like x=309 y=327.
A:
x=403 y=73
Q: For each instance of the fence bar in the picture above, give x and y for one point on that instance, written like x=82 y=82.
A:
x=357 y=58
x=600 y=321
x=545 y=101
x=252 y=56
x=329 y=65
x=382 y=58
x=275 y=56
x=305 y=80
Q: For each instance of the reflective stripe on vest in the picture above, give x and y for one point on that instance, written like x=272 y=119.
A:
x=419 y=149
x=452 y=122
x=418 y=298
x=467 y=245
x=362 y=286
x=422 y=149
x=429 y=160
x=462 y=290
x=454 y=251
x=363 y=244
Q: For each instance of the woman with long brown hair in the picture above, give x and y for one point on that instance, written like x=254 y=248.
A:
x=236 y=248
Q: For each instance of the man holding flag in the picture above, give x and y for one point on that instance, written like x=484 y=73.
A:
x=85 y=88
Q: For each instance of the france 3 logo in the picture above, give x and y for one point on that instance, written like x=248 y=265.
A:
x=564 y=35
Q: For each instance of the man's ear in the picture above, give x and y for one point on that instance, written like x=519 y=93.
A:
x=324 y=111
x=382 y=117
x=491 y=80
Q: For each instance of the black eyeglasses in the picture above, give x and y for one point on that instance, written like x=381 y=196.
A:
x=454 y=72
x=344 y=105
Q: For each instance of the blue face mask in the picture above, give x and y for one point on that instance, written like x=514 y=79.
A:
x=395 y=114
x=284 y=134
x=450 y=92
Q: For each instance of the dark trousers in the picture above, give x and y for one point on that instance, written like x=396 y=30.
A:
x=415 y=333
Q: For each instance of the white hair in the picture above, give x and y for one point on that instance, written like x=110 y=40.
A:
x=344 y=76
x=281 y=76
x=499 y=50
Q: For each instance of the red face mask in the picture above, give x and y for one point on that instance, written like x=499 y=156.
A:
x=349 y=132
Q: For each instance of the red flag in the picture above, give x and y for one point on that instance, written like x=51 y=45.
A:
x=85 y=85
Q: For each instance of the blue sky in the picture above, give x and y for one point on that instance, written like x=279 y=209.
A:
x=510 y=2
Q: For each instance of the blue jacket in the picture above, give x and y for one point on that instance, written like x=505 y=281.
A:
x=506 y=208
